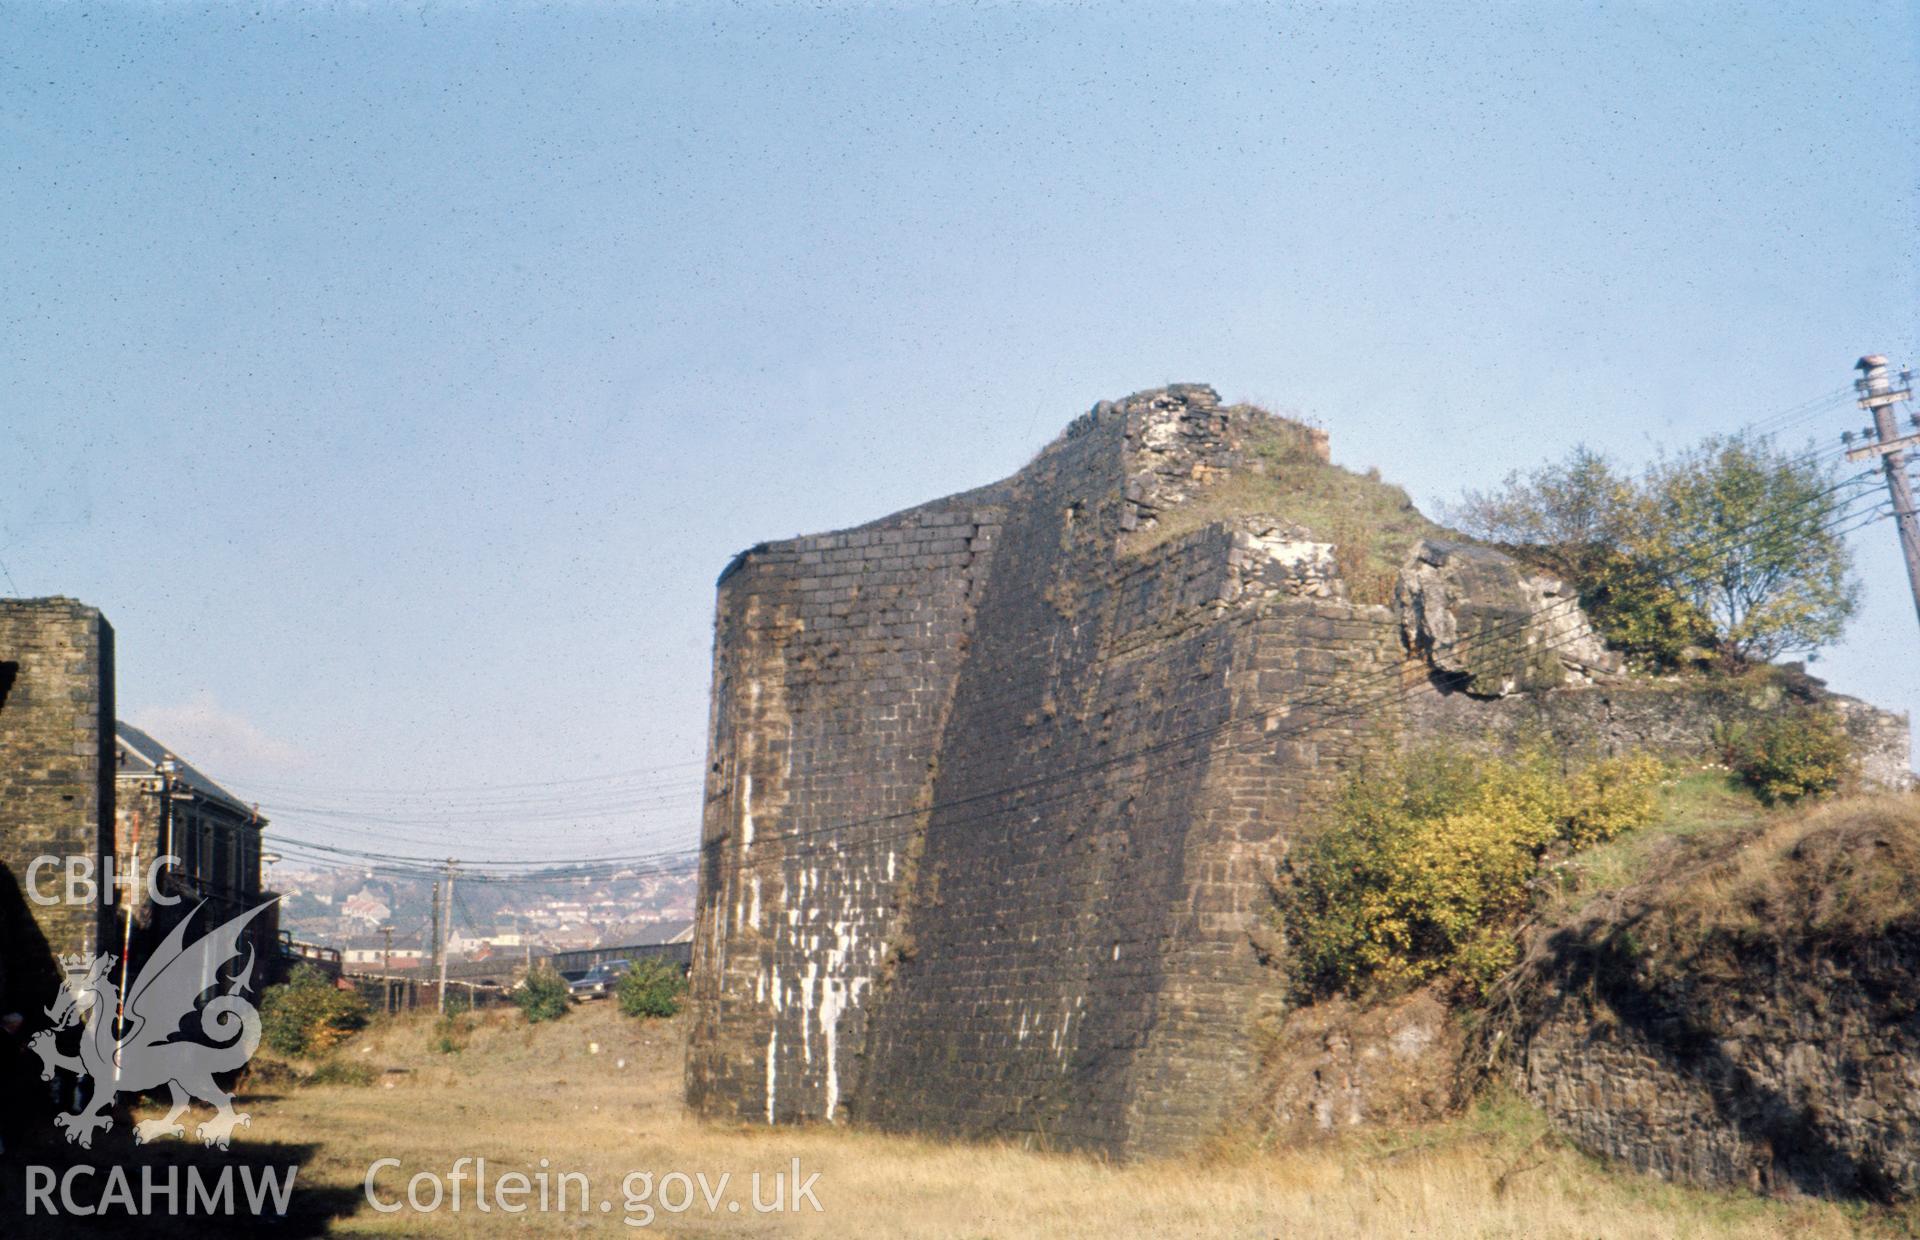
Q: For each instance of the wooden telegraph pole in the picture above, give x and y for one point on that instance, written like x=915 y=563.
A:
x=1878 y=396
x=445 y=934
x=386 y=969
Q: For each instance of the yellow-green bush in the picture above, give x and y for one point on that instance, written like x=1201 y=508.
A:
x=1804 y=752
x=1427 y=862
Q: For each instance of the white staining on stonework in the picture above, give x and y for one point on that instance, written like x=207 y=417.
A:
x=1160 y=429
x=832 y=1003
x=746 y=811
x=835 y=954
x=1061 y=1040
x=806 y=1010
x=835 y=997
x=773 y=1051
x=1301 y=555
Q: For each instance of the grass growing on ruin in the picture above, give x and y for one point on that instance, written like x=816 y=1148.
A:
x=517 y=1094
x=1372 y=524
x=1720 y=864
x=1845 y=871
x=1691 y=804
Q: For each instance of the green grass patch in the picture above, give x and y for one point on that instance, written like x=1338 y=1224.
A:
x=1693 y=803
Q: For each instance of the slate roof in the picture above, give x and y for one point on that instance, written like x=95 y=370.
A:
x=140 y=754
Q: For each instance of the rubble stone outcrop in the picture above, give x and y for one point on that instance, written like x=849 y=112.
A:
x=1475 y=614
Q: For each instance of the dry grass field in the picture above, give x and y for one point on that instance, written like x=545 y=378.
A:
x=516 y=1095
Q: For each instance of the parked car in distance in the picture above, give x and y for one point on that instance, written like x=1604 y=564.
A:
x=599 y=981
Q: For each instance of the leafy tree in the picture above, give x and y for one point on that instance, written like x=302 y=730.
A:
x=1725 y=546
x=1583 y=521
x=307 y=1014
x=651 y=988
x=1637 y=612
x=1569 y=513
x=1769 y=573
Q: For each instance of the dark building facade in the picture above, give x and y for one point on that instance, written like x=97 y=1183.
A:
x=167 y=807
x=56 y=791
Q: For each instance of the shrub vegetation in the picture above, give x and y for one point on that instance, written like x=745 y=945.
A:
x=651 y=988
x=308 y=1015
x=1803 y=752
x=544 y=994
x=452 y=1031
x=1427 y=864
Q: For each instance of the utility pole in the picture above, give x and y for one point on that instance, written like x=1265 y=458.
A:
x=386 y=970
x=435 y=958
x=446 y=909
x=1879 y=396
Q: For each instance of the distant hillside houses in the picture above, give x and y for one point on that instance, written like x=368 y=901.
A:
x=364 y=906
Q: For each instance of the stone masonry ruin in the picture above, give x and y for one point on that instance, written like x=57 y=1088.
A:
x=997 y=785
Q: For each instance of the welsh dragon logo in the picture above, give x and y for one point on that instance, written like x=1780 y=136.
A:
x=145 y=1055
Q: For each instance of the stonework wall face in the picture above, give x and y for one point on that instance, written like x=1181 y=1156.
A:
x=56 y=772
x=834 y=661
x=1794 y=1072
x=1674 y=719
x=1053 y=866
x=1316 y=684
x=1061 y=948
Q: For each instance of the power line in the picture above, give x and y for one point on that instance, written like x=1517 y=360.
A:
x=1832 y=514
x=486 y=787
x=1692 y=553
x=1267 y=737
x=501 y=804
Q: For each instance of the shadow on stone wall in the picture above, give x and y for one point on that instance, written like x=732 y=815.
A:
x=1686 y=1030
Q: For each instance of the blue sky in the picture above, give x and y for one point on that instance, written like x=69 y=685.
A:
x=398 y=379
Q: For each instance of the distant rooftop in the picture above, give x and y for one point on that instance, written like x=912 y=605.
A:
x=140 y=754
